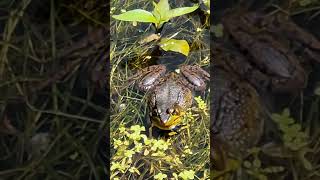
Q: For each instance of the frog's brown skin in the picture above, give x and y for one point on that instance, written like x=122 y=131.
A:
x=268 y=49
x=169 y=95
x=237 y=118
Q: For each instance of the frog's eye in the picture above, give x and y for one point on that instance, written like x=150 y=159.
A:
x=173 y=111
x=170 y=111
x=176 y=111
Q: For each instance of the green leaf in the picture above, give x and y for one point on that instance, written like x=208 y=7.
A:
x=180 y=46
x=181 y=11
x=138 y=15
x=164 y=5
x=156 y=11
x=161 y=11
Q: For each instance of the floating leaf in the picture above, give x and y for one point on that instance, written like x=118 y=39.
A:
x=180 y=46
x=138 y=15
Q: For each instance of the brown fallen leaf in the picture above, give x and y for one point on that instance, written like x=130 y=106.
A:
x=149 y=38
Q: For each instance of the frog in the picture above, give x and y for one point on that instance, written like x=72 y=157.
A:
x=268 y=48
x=237 y=118
x=169 y=95
x=256 y=55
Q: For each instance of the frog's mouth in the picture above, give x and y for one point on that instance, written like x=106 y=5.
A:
x=171 y=123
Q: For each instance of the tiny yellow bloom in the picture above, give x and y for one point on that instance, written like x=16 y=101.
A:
x=116 y=143
x=160 y=176
x=137 y=128
x=138 y=147
x=122 y=129
x=146 y=152
x=115 y=165
x=129 y=153
x=134 y=170
x=188 y=151
x=186 y=175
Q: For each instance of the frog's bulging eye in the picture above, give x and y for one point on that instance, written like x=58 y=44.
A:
x=170 y=111
x=176 y=111
x=173 y=111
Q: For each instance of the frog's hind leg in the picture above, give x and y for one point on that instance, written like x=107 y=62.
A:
x=149 y=77
x=194 y=77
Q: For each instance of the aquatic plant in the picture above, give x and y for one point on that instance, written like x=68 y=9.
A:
x=133 y=151
x=161 y=13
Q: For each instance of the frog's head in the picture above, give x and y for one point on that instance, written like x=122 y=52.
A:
x=166 y=107
x=167 y=119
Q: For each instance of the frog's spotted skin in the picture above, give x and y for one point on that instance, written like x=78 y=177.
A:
x=237 y=120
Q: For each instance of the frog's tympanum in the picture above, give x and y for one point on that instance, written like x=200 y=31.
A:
x=170 y=95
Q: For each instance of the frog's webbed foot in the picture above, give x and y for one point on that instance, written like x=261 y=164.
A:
x=148 y=77
x=194 y=77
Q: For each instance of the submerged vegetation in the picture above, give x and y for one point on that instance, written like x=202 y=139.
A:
x=53 y=114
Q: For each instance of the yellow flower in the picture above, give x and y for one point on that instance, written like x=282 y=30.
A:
x=186 y=175
x=115 y=165
x=146 y=152
x=160 y=153
x=187 y=151
x=147 y=141
x=116 y=143
x=134 y=170
x=122 y=129
x=138 y=147
x=201 y=104
x=160 y=176
x=137 y=128
x=129 y=153
x=160 y=144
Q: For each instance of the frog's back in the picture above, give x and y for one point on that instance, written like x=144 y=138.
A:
x=238 y=117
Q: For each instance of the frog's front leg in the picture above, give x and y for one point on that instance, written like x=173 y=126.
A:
x=195 y=77
x=148 y=77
